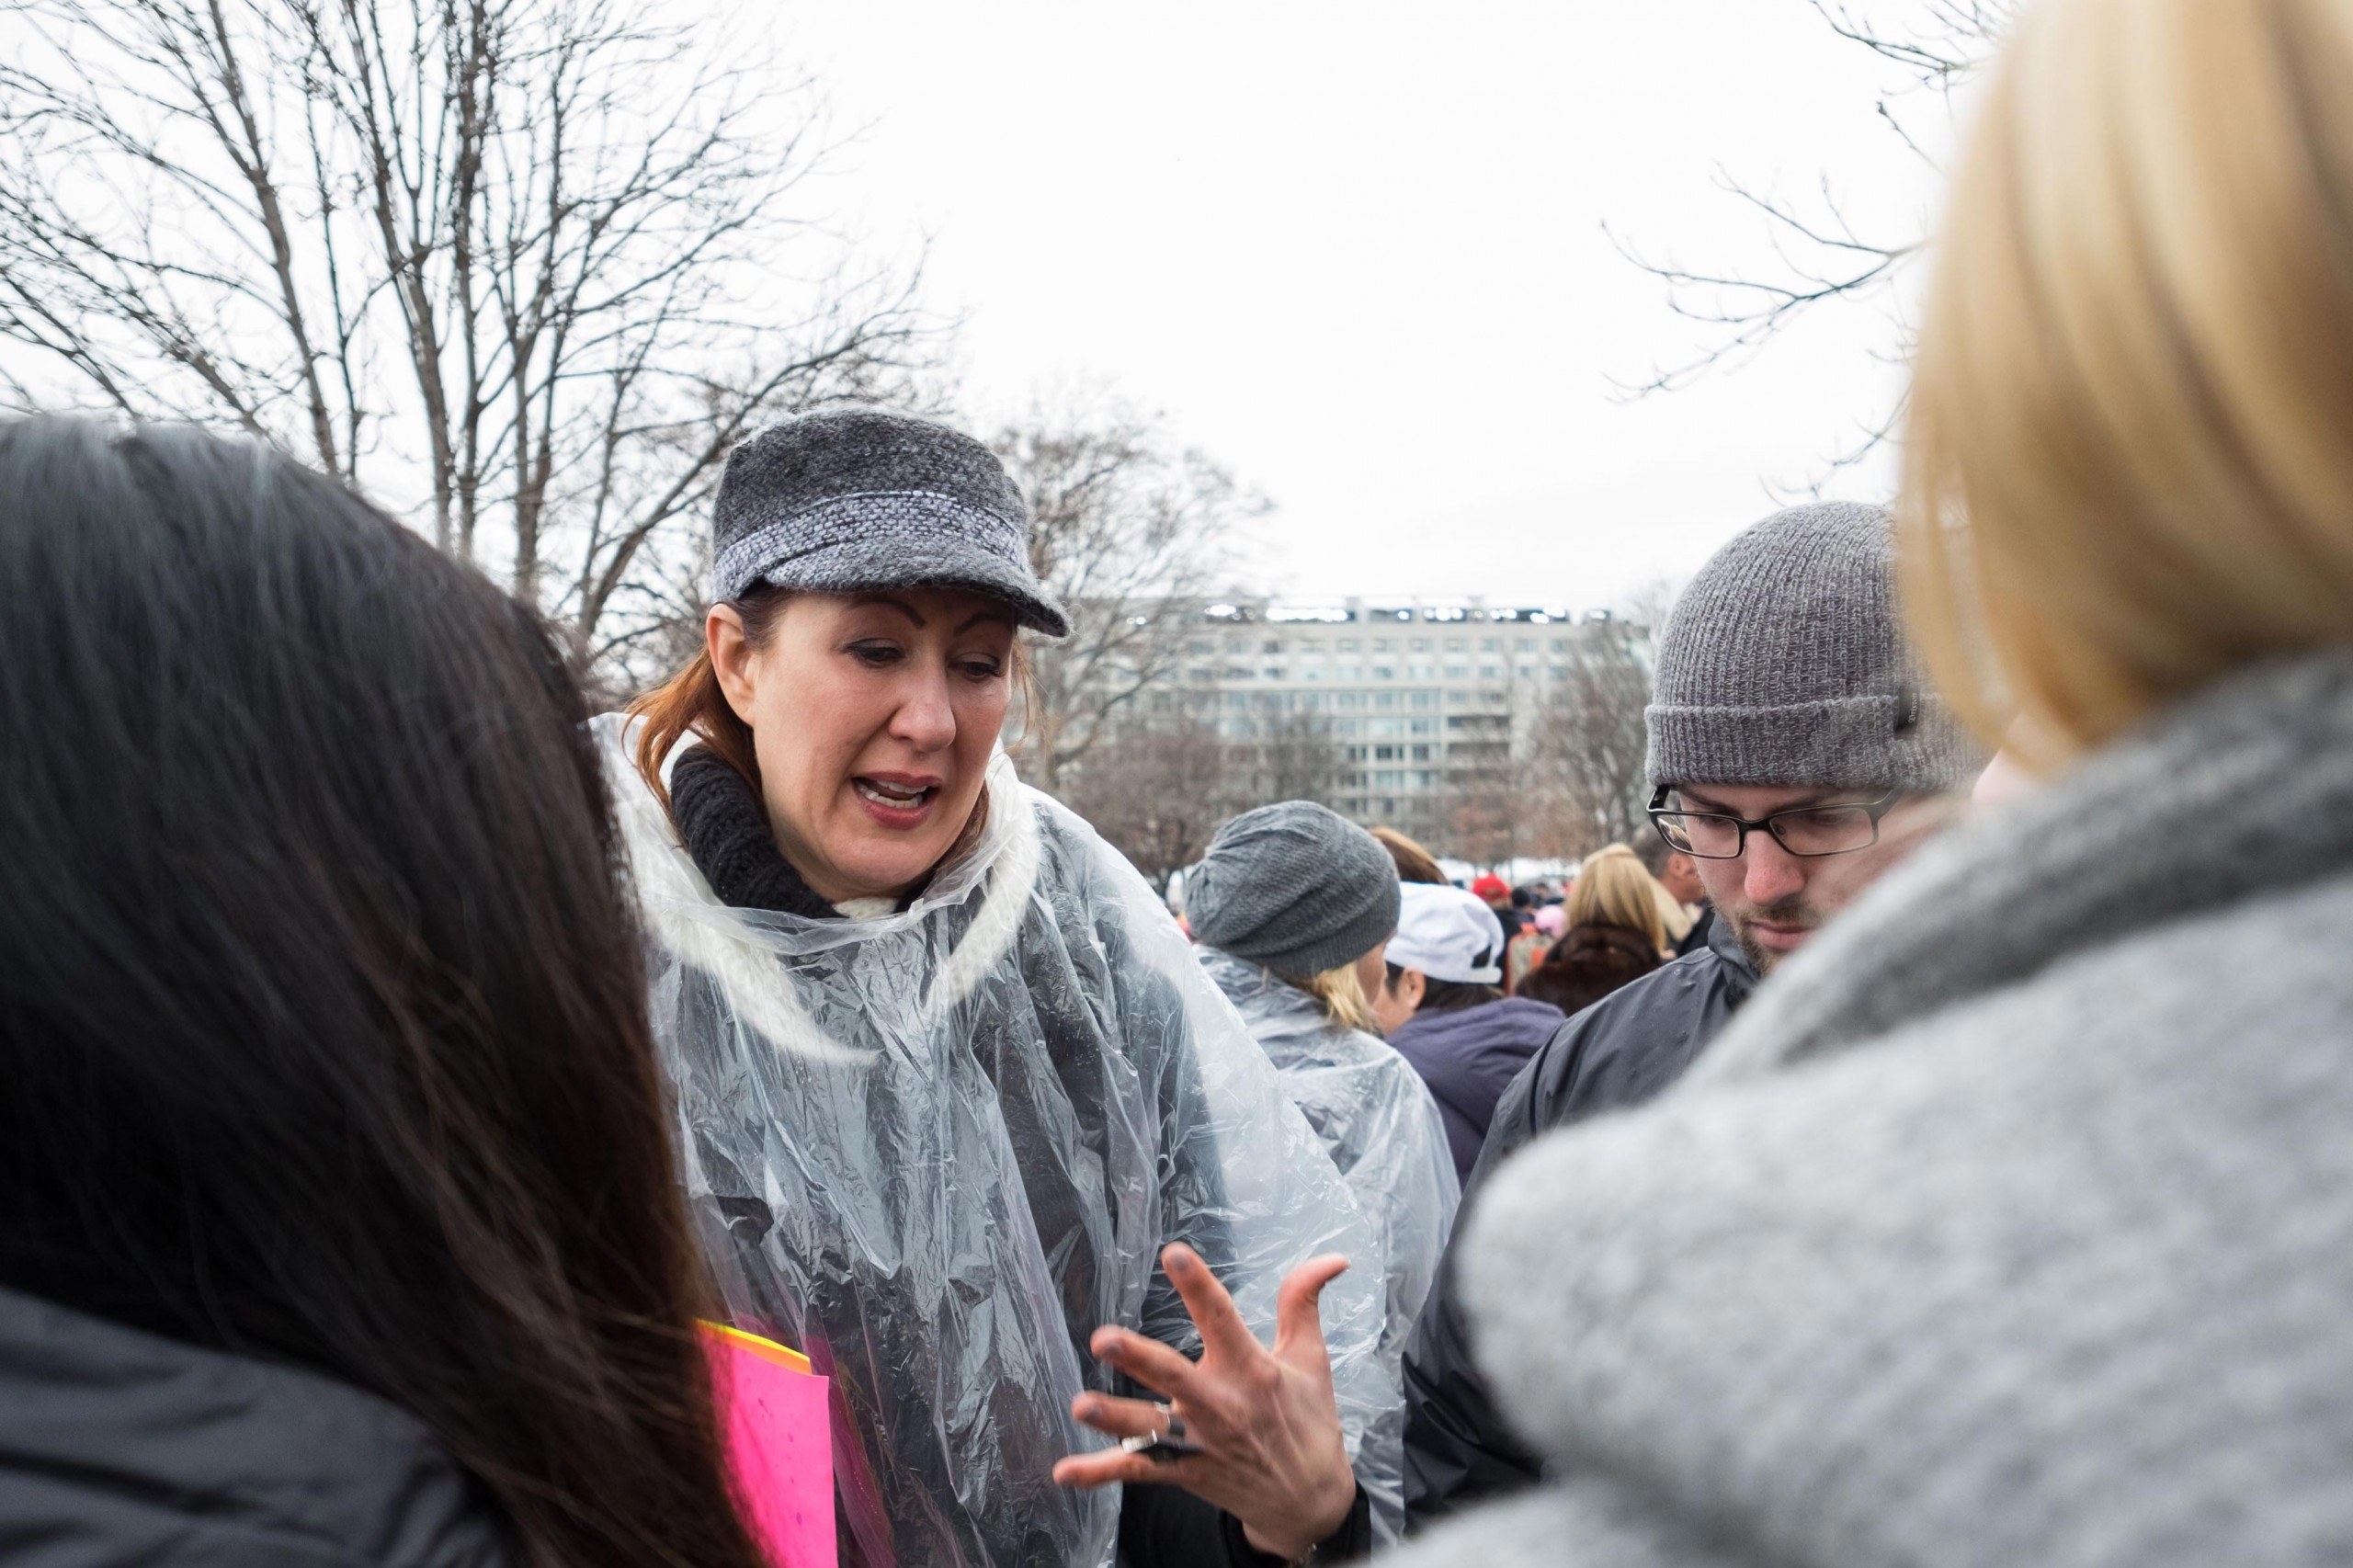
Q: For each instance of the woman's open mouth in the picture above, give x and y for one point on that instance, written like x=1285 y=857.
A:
x=895 y=801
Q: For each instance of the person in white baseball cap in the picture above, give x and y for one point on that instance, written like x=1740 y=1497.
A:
x=1442 y=1007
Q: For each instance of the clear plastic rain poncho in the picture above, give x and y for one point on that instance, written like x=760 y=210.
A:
x=935 y=1150
x=1382 y=1130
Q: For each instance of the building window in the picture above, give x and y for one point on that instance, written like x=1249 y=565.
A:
x=1457 y=671
x=1419 y=645
x=1381 y=645
x=1560 y=644
x=1425 y=698
x=1489 y=646
x=1491 y=671
x=1526 y=644
x=1272 y=672
x=1421 y=754
x=1345 y=645
x=1348 y=672
x=1201 y=645
x=1454 y=644
x=1238 y=644
x=1384 y=672
x=1271 y=645
x=1385 y=700
x=1240 y=672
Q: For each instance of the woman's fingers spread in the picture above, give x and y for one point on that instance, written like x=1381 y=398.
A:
x=1298 y=1315
x=1120 y=1417
x=1148 y=1361
x=1087 y=1471
x=1223 y=1333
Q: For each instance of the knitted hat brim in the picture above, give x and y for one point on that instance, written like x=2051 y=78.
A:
x=940 y=558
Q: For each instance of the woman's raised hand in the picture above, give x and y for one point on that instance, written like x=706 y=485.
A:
x=1264 y=1423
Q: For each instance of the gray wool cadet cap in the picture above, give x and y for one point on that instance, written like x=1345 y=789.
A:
x=1784 y=664
x=1296 y=887
x=863 y=499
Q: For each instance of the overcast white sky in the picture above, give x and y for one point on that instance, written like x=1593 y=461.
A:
x=1356 y=251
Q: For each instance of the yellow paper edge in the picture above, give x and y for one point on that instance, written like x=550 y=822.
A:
x=766 y=1350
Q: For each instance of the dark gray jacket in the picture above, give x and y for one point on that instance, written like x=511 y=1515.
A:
x=117 y=1446
x=1621 y=1051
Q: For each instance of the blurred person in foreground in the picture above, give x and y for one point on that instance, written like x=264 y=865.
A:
x=1614 y=934
x=1796 y=755
x=339 y=1218
x=1440 y=1009
x=1292 y=905
x=959 y=1109
x=2014 y=1222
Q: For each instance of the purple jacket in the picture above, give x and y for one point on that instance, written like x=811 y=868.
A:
x=1468 y=1056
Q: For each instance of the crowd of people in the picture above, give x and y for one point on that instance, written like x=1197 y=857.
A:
x=1886 y=1160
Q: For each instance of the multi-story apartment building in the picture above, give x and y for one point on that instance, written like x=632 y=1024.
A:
x=1425 y=702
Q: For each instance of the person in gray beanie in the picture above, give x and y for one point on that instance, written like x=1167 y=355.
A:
x=1796 y=754
x=1293 y=905
x=1295 y=887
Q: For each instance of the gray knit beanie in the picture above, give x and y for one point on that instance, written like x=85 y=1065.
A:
x=863 y=499
x=1784 y=664
x=1296 y=887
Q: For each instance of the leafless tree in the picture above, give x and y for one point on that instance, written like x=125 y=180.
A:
x=1293 y=758
x=1818 y=256
x=1155 y=787
x=1133 y=530
x=1587 y=751
x=520 y=270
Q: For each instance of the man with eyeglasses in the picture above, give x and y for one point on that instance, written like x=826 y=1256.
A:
x=1794 y=757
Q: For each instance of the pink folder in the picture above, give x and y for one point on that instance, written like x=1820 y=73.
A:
x=773 y=1410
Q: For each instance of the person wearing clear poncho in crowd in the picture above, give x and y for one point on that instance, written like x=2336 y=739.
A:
x=1293 y=905
x=959 y=1114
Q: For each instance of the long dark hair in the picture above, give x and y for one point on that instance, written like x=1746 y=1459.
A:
x=322 y=1028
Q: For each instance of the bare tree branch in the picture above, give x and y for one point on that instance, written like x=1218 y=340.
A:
x=521 y=270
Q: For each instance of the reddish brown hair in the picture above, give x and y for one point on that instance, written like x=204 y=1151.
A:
x=691 y=703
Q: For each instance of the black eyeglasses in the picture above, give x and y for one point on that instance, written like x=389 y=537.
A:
x=1838 y=829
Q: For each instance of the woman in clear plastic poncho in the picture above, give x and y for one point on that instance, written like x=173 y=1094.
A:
x=947 y=1077
x=1293 y=905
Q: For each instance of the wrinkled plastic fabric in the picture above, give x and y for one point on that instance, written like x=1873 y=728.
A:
x=1383 y=1132
x=935 y=1151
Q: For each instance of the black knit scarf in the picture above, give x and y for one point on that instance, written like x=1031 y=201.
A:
x=728 y=837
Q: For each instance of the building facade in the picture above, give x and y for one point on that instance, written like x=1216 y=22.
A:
x=1424 y=704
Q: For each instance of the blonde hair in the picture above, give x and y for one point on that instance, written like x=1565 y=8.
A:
x=1344 y=1004
x=1614 y=888
x=2129 y=462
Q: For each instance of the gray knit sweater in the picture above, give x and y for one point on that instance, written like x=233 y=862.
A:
x=2012 y=1221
